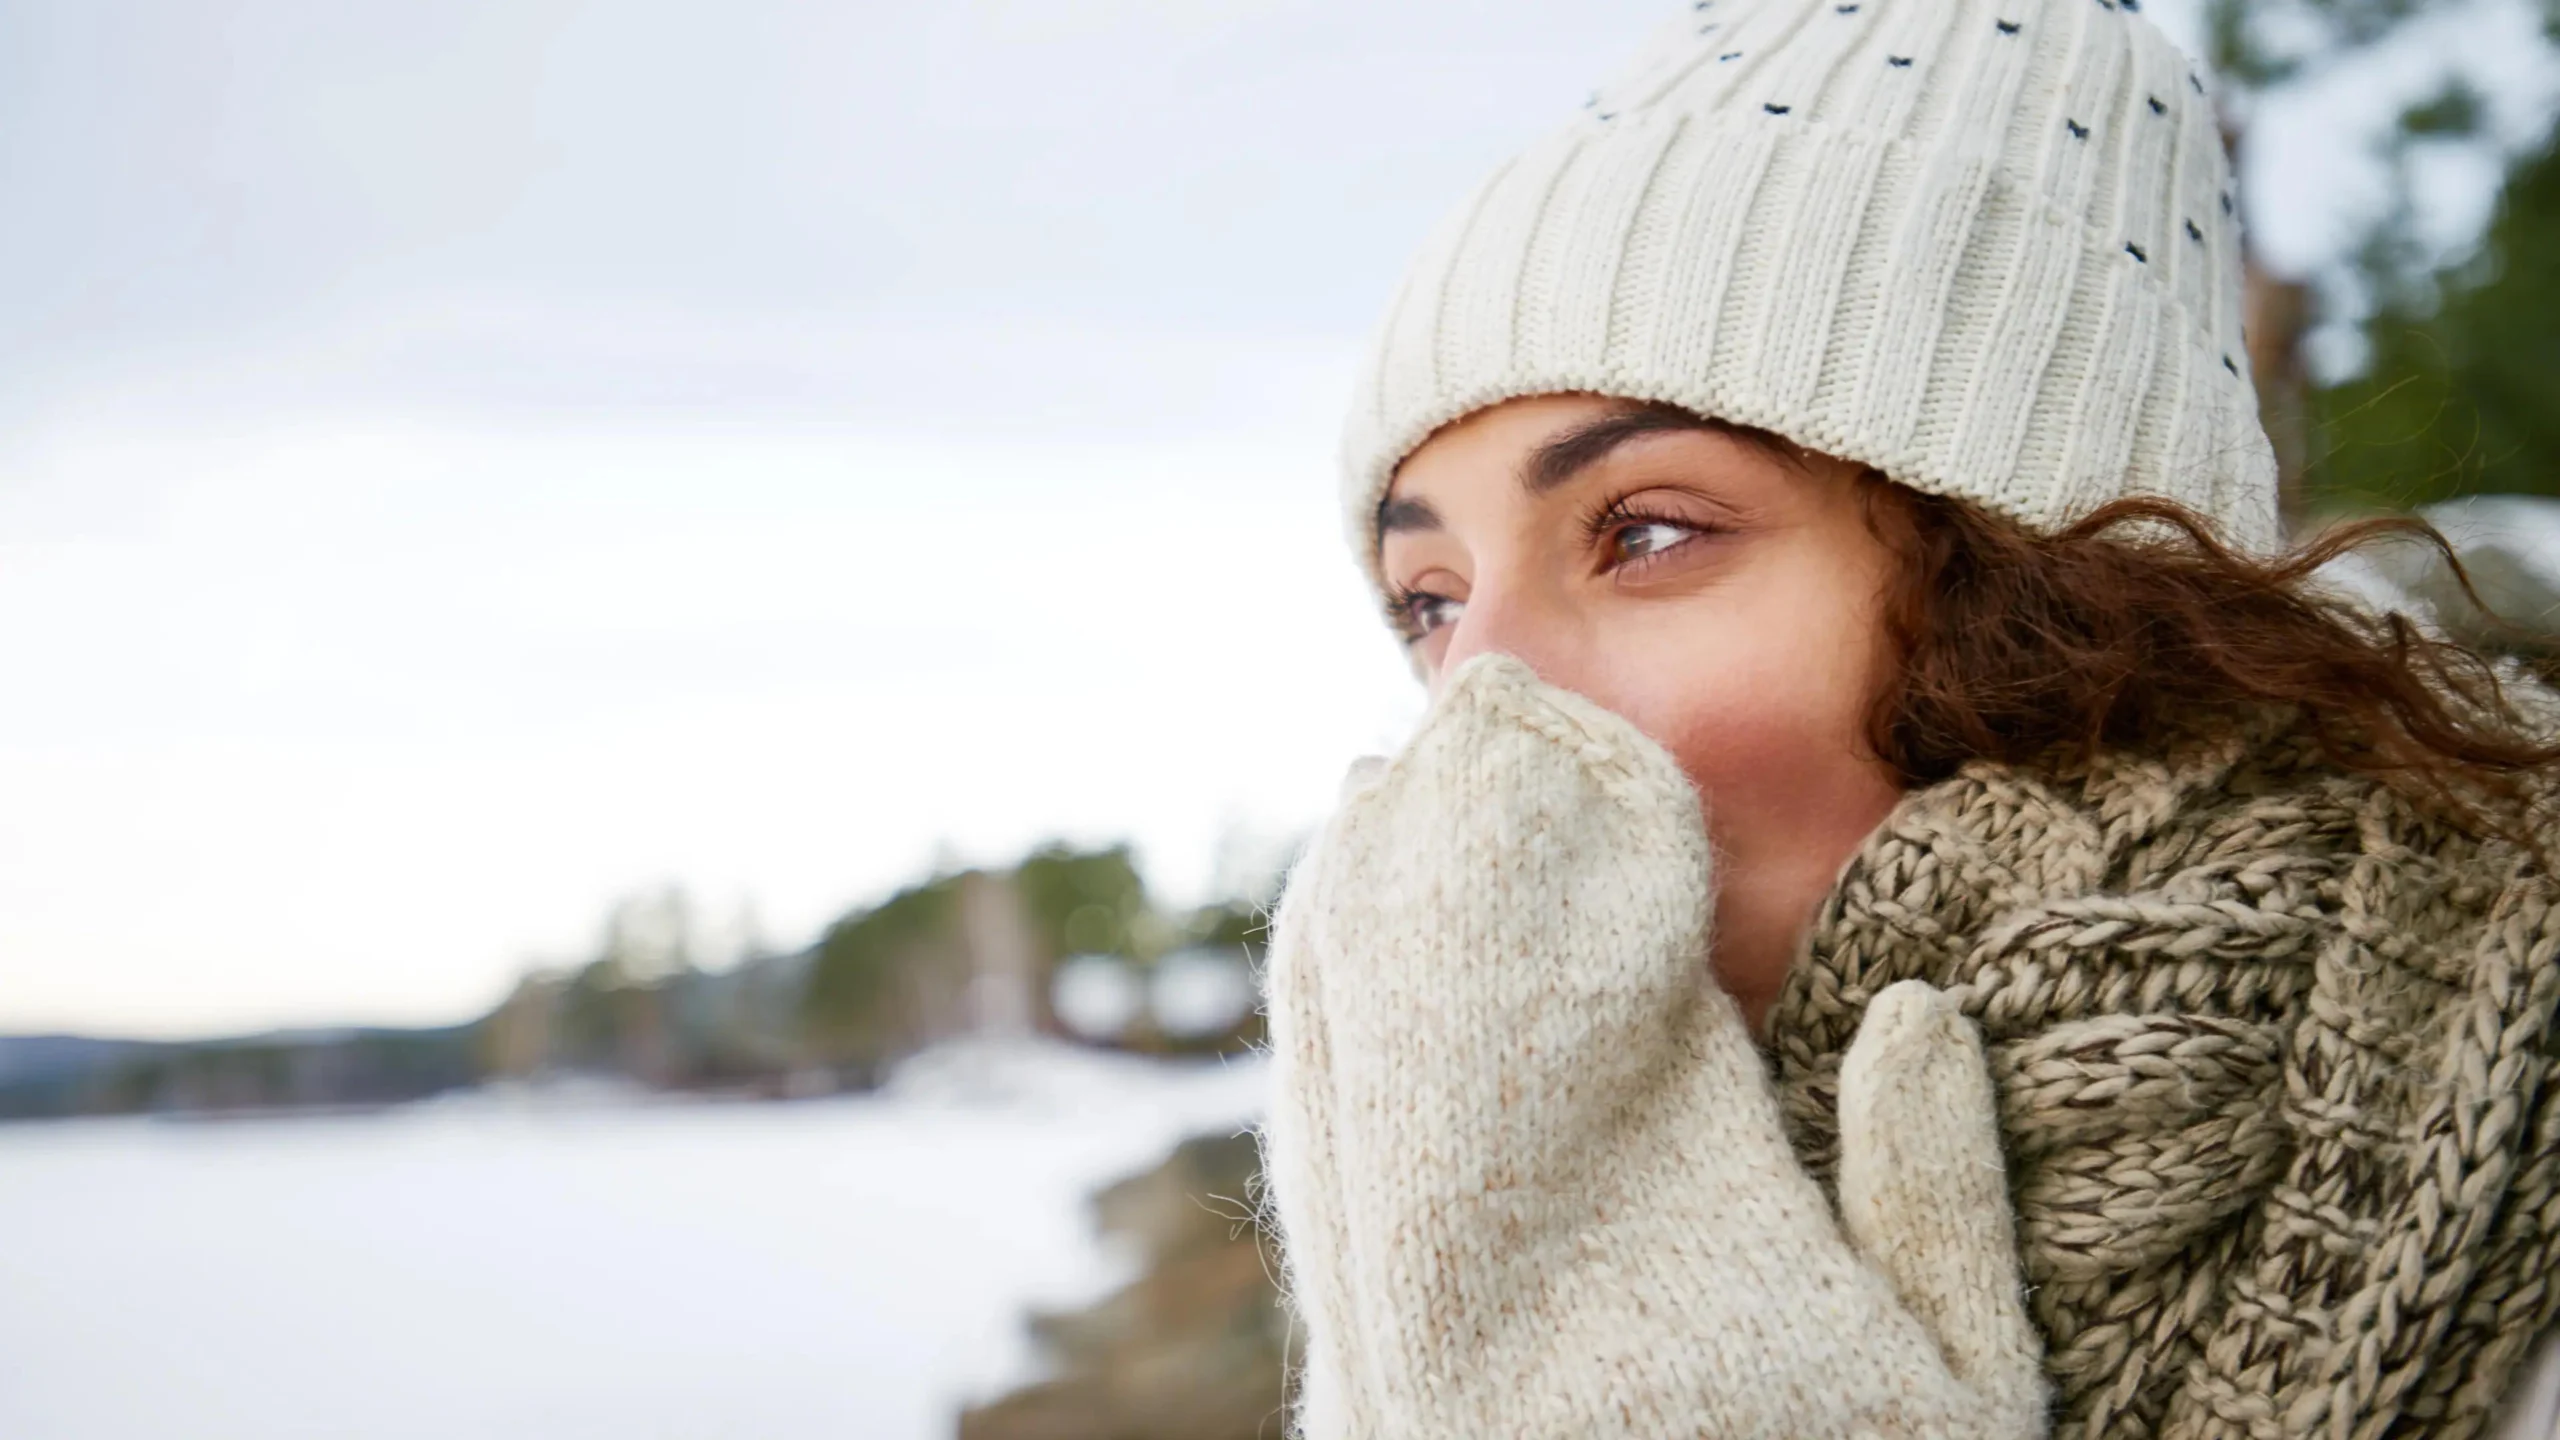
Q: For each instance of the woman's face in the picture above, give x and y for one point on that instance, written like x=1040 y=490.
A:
x=1721 y=596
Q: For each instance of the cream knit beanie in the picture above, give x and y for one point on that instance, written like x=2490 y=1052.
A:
x=1986 y=246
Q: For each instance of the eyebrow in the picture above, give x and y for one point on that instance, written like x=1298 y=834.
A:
x=1563 y=458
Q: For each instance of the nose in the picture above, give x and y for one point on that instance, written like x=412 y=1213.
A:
x=1512 y=622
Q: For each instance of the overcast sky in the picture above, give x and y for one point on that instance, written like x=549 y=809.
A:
x=464 y=462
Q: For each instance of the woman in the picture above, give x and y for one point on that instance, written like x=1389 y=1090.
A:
x=1910 y=912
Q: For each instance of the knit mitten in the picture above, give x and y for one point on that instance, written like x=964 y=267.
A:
x=1527 y=1167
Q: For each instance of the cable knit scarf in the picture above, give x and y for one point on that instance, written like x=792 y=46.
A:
x=2276 y=1052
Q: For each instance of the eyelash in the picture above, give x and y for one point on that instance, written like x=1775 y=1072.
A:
x=1402 y=600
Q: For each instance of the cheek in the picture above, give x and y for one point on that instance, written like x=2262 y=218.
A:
x=1768 y=720
x=1763 y=744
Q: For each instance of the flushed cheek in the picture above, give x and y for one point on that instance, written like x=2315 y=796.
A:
x=1765 y=764
x=1774 y=756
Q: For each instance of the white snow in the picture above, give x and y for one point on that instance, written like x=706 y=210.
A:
x=2527 y=525
x=501 y=1266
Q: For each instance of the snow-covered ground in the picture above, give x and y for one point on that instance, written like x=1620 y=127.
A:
x=556 y=1267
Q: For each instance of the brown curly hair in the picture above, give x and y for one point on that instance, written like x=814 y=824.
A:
x=2137 y=623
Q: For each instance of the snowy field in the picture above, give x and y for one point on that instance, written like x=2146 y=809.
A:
x=553 y=1268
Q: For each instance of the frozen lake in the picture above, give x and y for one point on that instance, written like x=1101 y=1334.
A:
x=498 y=1267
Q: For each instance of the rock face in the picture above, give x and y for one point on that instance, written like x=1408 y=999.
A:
x=1192 y=1349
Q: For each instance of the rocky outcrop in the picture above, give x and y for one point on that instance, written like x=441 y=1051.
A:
x=1190 y=1350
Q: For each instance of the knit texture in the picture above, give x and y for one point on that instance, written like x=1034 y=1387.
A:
x=1985 y=246
x=2275 y=1053
x=1528 y=1170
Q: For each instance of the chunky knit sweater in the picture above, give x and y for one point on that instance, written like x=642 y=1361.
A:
x=2278 y=1069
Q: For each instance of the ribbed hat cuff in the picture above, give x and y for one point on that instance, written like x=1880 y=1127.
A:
x=1911 y=311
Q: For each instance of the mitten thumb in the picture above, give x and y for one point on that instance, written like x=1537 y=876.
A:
x=1359 y=776
x=1924 y=1194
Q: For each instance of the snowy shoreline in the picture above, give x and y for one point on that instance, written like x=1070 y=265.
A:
x=503 y=1264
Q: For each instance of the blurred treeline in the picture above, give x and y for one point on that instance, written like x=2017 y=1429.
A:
x=2462 y=393
x=962 y=952
x=2413 y=374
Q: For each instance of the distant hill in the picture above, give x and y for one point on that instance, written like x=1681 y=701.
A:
x=53 y=1076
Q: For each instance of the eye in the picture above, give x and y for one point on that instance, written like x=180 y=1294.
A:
x=1648 y=538
x=1631 y=538
x=1414 y=614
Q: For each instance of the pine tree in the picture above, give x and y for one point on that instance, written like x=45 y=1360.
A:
x=2462 y=392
